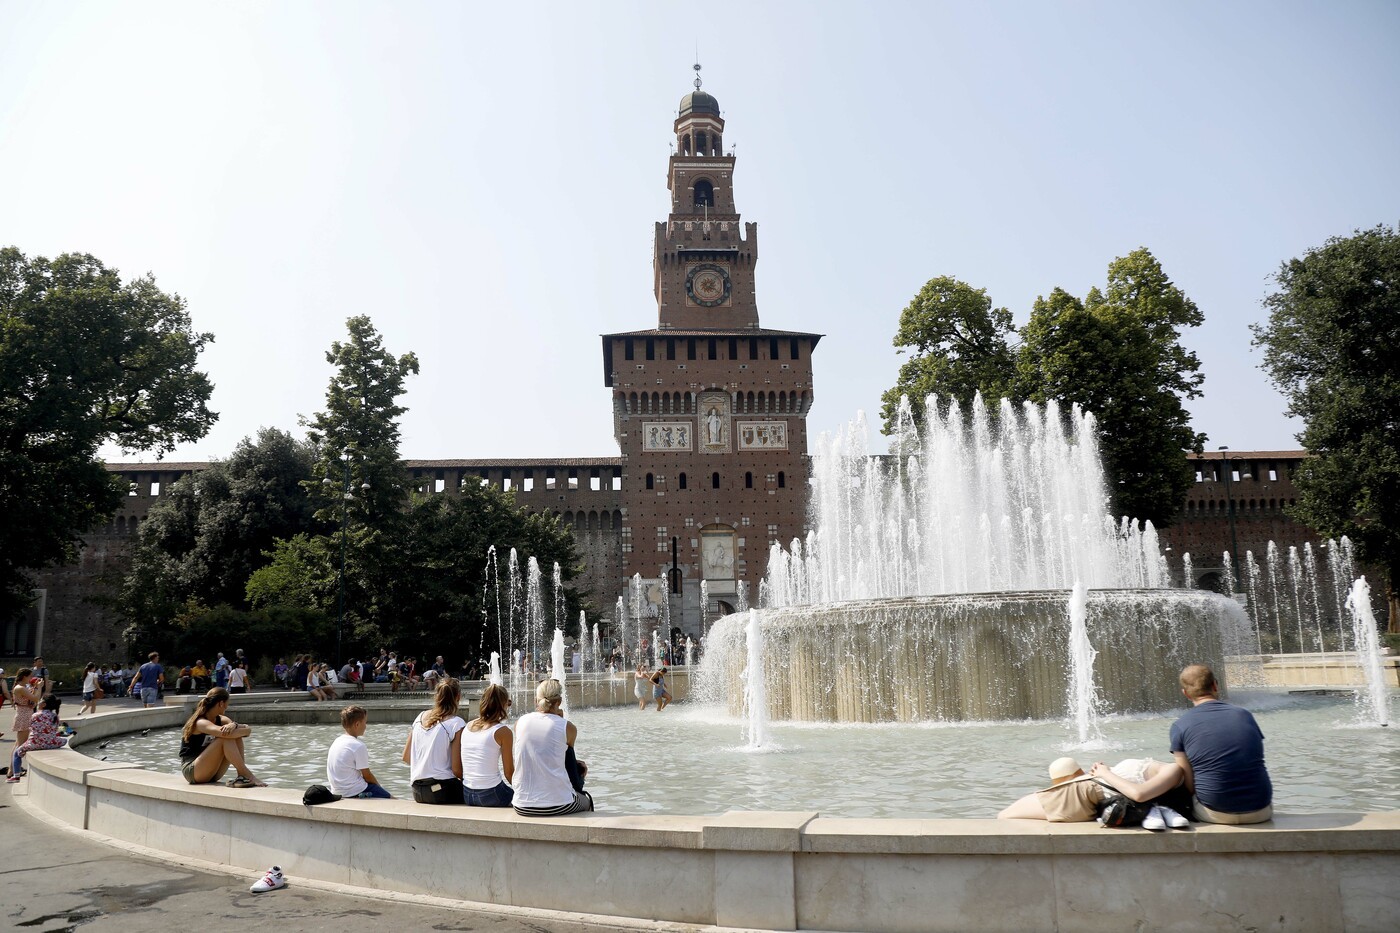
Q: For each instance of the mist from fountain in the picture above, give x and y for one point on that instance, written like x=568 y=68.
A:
x=755 y=689
x=557 y=667
x=1083 y=698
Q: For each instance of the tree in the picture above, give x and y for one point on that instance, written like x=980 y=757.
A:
x=85 y=360
x=960 y=346
x=1118 y=354
x=205 y=538
x=438 y=607
x=1332 y=346
x=357 y=449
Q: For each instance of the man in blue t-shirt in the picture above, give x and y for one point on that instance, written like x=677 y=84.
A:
x=1221 y=749
x=148 y=680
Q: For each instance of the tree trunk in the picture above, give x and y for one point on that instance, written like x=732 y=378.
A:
x=1392 y=598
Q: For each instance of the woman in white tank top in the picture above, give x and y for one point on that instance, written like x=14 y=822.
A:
x=544 y=741
x=487 y=750
x=433 y=750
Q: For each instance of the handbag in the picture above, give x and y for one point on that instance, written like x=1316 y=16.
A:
x=1118 y=811
x=438 y=790
x=98 y=693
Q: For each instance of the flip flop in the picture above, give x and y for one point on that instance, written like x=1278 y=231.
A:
x=241 y=781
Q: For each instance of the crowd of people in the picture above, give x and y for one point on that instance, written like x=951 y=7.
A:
x=1217 y=772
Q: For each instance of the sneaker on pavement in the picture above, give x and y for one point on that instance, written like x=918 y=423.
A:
x=270 y=881
x=1154 y=820
x=1174 y=820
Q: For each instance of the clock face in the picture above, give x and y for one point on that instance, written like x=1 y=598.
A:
x=707 y=285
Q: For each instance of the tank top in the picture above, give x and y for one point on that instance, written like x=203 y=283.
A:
x=430 y=752
x=540 y=778
x=481 y=758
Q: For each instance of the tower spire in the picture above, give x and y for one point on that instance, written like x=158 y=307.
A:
x=697 y=81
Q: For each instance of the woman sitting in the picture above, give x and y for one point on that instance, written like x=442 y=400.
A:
x=43 y=734
x=487 y=751
x=434 y=748
x=544 y=785
x=316 y=685
x=211 y=742
x=1075 y=797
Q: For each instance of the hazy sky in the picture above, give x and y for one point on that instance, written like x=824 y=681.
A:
x=482 y=179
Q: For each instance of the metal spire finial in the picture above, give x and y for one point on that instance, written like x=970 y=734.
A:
x=698 y=82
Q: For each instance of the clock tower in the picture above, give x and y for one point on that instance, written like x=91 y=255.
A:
x=709 y=408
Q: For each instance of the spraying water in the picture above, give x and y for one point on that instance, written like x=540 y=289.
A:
x=558 y=670
x=1375 y=698
x=1083 y=705
x=755 y=692
x=495 y=675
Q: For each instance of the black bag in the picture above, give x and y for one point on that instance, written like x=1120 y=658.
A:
x=1118 y=811
x=318 y=793
x=438 y=790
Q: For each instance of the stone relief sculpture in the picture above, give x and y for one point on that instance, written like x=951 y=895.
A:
x=714 y=421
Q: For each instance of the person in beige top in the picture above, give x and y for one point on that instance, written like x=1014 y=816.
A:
x=1072 y=797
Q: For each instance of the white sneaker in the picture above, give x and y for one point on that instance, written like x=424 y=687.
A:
x=1174 y=820
x=270 y=881
x=1154 y=820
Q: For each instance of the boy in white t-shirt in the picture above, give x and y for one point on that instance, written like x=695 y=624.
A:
x=347 y=762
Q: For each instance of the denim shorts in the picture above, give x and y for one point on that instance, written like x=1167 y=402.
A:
x=499 y=796
x=150 y=696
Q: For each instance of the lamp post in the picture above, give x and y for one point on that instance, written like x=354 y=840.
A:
x=1225 y=463
x=346 y=497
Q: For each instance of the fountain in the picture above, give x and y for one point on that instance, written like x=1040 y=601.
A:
x=936 y=584
x=1374 y=699
x=557 y=667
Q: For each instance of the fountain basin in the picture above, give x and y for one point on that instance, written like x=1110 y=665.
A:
x=746 y=869
x=978 y=656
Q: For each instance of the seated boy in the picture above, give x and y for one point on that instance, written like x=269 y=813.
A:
x=347 y=762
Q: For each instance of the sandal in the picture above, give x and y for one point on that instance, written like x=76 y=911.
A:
x=241 y=781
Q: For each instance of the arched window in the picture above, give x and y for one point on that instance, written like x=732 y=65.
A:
x=714 y=480
x=704 y=194
x=782 y=480
x=651 y=481
x=748 y=480
x=682 y=480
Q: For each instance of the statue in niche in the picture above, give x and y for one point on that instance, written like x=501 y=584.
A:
x=715 y=426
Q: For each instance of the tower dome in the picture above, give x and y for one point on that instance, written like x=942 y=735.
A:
x=698 y=101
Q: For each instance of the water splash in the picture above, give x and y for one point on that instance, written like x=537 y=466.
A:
x=495 y=675
x=557 y=668
x=1082 y=695
x=755 y=692
x=1374 y=700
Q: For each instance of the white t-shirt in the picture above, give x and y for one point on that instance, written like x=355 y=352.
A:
x=430 y=753
x=541 y=740
x=237 y=677
x=347 y=756
x=89 y=682
x=481 y=758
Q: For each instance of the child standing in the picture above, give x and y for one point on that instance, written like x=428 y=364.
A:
x=347 y=762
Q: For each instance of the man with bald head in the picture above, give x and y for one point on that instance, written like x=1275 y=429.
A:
x=1221 y=749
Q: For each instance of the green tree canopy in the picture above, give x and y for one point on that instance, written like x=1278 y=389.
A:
x=85 y=359
x=1332 y=346
x=205 y=537
x=1118 y=354
x=959 y=345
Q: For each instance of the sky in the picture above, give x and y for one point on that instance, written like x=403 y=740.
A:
x=482 y=180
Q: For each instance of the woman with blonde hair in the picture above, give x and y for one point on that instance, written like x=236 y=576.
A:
x=434 y=748
x=211 y=742
x=488 y=751
x=544 y=785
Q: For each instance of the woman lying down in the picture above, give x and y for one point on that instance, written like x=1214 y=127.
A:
x=1075 y=797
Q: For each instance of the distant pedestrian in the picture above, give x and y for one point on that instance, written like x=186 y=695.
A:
x=90 y=687
x=148 y=680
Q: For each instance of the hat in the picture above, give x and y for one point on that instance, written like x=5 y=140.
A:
x=1062 y=768
x=318 y=793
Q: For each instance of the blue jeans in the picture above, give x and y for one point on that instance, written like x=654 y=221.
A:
x=374 y=791
x=499 y=796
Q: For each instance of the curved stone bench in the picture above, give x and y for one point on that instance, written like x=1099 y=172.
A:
x=771 y=870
